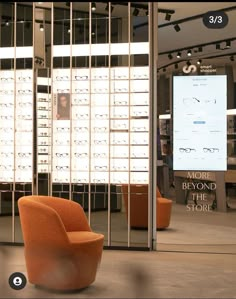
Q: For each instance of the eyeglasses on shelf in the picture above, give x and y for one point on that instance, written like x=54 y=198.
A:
x=62 y=129
x=62 y=154
x=7 y=79
x=78 y=78
x=210 y=150
x=24 y=167
x=24 y=91
x=187 y=150
x=62 y=167
x=25 y=79
x=81 y=155
x=62 y=78
x=6 y=104
x=24 y=155
x=81 y=129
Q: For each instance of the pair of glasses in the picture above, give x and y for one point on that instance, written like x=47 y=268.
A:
x=63 y=90
x=140 y=76
x=43 y=143
x=27 y=78
x=102 y=90
x=81 y=129
x=6 y=142
x=121 y=77
x=99 y=180
x=100 y=155
x=6 y=104
x=100 y=141
x=25 y=104
x=6 y=116
x=78 y=90
x=100 y=129
x=7 y=79
x=138 y=129
x=120 y=103
x=62 y=154
x=77 y=78
x=61 y=129
x=187 y=150
x=24 y=91
x=42 y=150
x=83 y=142
x=43 y=108
x=121 y=126
x=139 y=141
x=139 y=113
x=43 y=125
x=24 y=155
x=24 y=117
x=120 y=116
x=81 y=101
x=119 y=168
x=81 y=155
x=6 y=167
x=6 y=130
x=62 y=142
x=135 y=167
x=139 y=155
x=80 y=181
x=42 y=116
x=97 y=167
x=6 y=92
x=100 y=77
x=3 y=154
x=120 y=90
x=210 y=150
x=24 y=130
x=43 y=161
x=61 y=180
x=82 y=116
x=120 y=141
x=101 y=116
x=61 y=78
x=62 y=167
x=24 y=167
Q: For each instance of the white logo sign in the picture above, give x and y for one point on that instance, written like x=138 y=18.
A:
x=189 y=69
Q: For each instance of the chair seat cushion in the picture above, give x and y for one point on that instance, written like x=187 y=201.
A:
x=83 y=237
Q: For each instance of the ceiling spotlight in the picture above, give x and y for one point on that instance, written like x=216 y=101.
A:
x=7 y=23
x=176 y=66
x=68 y=30
x=93 y=6
x=135 y=12
x=178 y=55
x=188 y=63
x=168 y=16
x=199 y=61
x=232 y=58
x=177 y=28
x=41 y=28
x=189 y=53
x=199 y=49
x=217 y=46
x=170 y=56
x=228 y=44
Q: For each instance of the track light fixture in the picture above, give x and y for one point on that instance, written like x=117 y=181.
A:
x=228 y=44
x=41 y=28
x=189 y=53
x=199 y=49
x=188 y=63
x=7 y=23
x=217 y=46
x=170 y=56
x=68 y=30
x=177 y=28
x=199 y=61
x=135 y=12
x=232 y=58
x=178 y=55
x=93 y=7
x=168 y=17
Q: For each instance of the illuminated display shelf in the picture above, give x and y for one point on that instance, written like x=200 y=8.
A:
x=16 y=123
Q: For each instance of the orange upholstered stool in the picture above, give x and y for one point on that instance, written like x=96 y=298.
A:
x=139 y=207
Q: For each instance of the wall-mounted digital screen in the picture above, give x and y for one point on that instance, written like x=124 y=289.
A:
x=200 y=123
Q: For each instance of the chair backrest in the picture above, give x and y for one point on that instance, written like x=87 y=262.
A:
x=41 y=224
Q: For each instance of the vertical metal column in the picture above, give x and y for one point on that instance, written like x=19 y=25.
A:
x=153 y=25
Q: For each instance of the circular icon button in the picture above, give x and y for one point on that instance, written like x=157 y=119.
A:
x=215 y=19
x=17 y=281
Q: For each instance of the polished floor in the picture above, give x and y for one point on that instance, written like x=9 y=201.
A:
x=134 y=274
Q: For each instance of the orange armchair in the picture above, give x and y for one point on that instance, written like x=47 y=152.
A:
x=139 y=207
x=61 y=251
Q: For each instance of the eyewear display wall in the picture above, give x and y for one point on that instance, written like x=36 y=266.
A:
x=83 y=130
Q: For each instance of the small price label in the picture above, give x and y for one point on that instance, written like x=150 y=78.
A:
x=215 y=19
